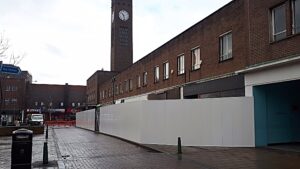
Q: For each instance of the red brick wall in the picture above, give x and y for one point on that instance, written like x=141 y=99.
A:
x=261 y=47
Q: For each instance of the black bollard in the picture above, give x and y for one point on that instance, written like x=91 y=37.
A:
x=47 y=132
x=179 y=146
x=45 y=153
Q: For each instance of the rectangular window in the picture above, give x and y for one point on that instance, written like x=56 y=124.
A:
x=144 y=78
x=166 y=68
x=130 y=84
x=196 y=61
x=156 y=74
x=226 y=46
x=6 y=101
x=126 y=86
x=138 y=81
x=180 y=65
x=278 y=23
x=117 y=89
x=296 y=16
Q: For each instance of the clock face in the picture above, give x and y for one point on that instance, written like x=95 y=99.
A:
x=112 y=17
x=123 y=15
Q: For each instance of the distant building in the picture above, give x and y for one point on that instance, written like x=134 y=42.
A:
x=56 y=102
x=13 y=95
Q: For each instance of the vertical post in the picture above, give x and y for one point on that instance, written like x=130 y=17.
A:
x=47 y=132
x=45 y=153
x=179 y=151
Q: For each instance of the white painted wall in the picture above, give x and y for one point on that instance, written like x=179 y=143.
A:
x=86 y=119
x=274 y=75
x=204 y=122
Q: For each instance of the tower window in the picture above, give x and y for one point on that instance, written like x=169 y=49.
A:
x=123 y=33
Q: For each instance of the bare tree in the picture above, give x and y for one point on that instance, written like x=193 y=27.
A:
x=13 y=58
x=16 y=59
x=3 y=46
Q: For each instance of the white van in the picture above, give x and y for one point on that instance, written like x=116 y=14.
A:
x=35 y=119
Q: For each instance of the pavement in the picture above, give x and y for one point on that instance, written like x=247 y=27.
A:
x=71 y=147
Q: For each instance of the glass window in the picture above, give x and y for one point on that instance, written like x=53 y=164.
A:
x=120 y=88
x=180 y=65
x=156 y=74
x=166 y=70
x=296 y=16
x=145 y=78
x=138 y=81
x=196 y=61
x=278 y=22
x=226 y=47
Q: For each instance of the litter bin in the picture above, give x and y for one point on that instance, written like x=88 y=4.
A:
x=21 y=151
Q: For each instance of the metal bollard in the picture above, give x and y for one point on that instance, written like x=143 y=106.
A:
x=45 y=153
x=179 y=151
x=47 y=132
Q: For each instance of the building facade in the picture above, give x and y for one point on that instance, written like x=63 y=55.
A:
x=13 y=93
x=246 y=48
x=56 y=102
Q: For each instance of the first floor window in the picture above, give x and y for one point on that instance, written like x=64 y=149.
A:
x=144 y=78
x=226 y=47
x=196 y=61
x=180 y=65
x=138 y=81
x=296 y=16
x=278 y=23
x=156 y=74
x=166 y=70
x=126 y=86
x=130 y=84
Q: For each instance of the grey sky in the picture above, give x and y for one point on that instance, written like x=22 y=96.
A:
x=66 y=41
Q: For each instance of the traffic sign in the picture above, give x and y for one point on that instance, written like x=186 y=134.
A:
x=10 y=69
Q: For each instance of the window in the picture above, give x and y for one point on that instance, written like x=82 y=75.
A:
x=73 y=104
x=117 y=89
x=180 y=65
x=196 y=62
x=226 y=46
x=144 y=78
x=36 y=103
x=278 y=23
x=78 y=104
x=120 y=88
x=130 y=84
x=296 y=16
x=126 y=86
x=156 y=74
x=166 y=70
x=6 y=101
x=14 y=101
x=138 y=78
x=61 y=104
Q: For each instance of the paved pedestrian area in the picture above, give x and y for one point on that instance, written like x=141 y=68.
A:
x=71 y=147
x=85 y=149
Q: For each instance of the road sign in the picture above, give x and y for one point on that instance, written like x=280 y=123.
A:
x=9 y=69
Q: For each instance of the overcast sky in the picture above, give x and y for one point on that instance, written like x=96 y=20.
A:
x=66 y=41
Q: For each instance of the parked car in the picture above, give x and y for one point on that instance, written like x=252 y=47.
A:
x=35 y=119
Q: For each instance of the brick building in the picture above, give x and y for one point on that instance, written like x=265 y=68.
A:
x=57 y=102
x=12 y=94
x=246 y=48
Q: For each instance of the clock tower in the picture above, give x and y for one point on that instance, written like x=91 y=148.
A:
x=121 y=35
